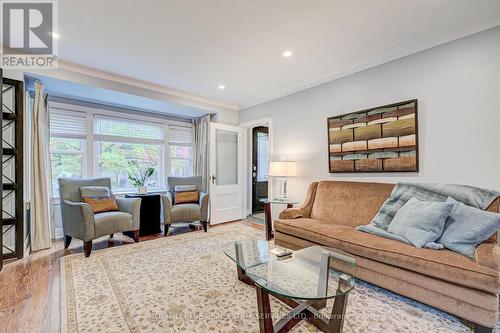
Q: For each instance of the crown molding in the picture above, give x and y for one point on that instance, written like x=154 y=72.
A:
x=84 y=70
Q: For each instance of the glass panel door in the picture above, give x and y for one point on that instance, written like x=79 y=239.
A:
x=226 y=147
x=226 y=186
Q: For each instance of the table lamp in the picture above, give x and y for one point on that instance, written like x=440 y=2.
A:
x=282 y=170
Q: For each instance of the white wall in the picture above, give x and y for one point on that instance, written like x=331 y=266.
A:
x=228 y=117
x=458 y=90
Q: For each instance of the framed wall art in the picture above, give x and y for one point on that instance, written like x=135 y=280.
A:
x=381 y=139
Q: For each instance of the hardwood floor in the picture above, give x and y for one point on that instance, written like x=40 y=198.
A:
x=30 y=287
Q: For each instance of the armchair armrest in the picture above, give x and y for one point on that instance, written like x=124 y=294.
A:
x=167 y=202
x=303 y=210
x=204 y=206
x=488 y=255
x=79 y=220
x=133 y=207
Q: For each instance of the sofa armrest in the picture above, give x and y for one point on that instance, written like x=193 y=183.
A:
x=167 y=202
x=488 y=255
x=303 y=210
x=79 y=219
x=292 y=213
x=133 y=207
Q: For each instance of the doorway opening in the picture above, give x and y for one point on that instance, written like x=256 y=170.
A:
x=260 y=168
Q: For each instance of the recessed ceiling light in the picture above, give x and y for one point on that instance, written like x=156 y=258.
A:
x=55 y=35
x=287 y=54
x=222 y=87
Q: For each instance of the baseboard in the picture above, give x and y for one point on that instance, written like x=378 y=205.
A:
x=59 y=234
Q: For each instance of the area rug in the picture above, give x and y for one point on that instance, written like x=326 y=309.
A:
x=185 y=283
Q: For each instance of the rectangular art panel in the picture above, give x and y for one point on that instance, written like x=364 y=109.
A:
x=381 y=139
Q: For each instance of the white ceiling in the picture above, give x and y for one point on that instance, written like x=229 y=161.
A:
x=195 y=45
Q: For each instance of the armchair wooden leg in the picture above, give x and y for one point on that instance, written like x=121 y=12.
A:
x=165 y=229
x=205 y=225
x=67 y=241
x=87 y=248
x=136 y=236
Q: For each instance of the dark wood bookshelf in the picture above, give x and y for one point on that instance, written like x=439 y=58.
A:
x=12 y=220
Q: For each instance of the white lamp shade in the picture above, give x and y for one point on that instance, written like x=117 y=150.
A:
x=283 y=169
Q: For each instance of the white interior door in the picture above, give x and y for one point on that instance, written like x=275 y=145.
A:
x=226 y=173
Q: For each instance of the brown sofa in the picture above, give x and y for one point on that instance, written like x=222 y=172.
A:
x=442 y=279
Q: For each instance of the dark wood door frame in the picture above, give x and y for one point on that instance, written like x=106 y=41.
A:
x=257 y=187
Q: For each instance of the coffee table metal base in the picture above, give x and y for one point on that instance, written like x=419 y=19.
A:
x=300 y=310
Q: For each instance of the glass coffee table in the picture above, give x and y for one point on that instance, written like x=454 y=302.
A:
x=304 y=281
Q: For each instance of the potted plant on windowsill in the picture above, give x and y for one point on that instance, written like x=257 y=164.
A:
x=139 y=176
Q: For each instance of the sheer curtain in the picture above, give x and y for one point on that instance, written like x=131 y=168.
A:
x=200 y=149
x=41 y=178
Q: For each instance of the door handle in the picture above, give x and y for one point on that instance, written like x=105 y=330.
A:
x=213 y=178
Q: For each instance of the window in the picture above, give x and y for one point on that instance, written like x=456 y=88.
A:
x=119 y=142
x=180 y=145
x=67 y=145
x=92 y=142
x=263 y=158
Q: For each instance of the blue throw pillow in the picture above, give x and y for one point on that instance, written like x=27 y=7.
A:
x=467 y=227
x=421 y=222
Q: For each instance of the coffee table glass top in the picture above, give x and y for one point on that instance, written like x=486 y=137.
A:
x=297 y=276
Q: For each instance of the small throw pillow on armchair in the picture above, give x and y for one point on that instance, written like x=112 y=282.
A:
x=99 y=198
x=101 y=205
x=94 y=192
x=186 y=194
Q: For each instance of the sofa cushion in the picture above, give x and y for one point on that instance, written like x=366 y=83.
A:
x=186 y=212
x=349 y=203
x=94 y=192
x=111 y=222
x=467 y=227
x=101 y=205
x=465 y=302
x=494 y=208
x=319 y=231
x=443 y=264
x=421 y=222
x=183 y=197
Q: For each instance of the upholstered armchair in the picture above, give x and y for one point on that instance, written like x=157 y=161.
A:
x=79 y=220
x=185 y=212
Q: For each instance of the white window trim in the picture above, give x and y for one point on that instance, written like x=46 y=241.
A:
x=118 y=138
x=91 y=160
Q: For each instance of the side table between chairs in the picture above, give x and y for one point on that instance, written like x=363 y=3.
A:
x=150 y=213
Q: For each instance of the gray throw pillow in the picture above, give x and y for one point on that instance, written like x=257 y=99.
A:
x=421 y=222
x=467 y=227
x=185 y=188
x=94 y=192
